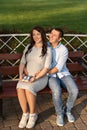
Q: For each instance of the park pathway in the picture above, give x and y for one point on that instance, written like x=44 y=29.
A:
x=47 y=116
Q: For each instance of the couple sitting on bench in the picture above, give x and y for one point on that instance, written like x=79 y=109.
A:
x=45 y=64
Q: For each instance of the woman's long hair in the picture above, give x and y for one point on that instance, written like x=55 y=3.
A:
x=32 y=42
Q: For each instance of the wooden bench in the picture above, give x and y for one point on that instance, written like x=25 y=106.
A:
x=8 y=86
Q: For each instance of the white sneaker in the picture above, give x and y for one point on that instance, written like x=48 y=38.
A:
x=31 y=121
x=70 y=117
x=23 y=121
x=59 y=120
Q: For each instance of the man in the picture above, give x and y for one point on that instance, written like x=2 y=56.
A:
x=59 y=75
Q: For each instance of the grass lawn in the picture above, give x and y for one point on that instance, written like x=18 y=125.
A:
x=22 y=15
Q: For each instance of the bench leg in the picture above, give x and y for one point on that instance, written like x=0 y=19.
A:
x=1 y=109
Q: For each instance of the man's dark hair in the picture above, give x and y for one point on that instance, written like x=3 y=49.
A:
x=59 y=30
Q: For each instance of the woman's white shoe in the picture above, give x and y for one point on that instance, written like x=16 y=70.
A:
x=32 y=120
x=23 y=121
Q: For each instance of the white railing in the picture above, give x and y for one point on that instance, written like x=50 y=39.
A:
x=14 y=43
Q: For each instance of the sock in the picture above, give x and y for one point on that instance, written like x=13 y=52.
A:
x=33 y=114
x=25 y=114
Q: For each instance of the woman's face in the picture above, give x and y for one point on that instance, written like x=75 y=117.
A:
x=37 y=36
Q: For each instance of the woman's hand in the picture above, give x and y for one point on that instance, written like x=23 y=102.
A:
x=20 y=78
x=32 y=79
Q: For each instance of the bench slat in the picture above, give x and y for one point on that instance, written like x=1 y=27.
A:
x=74 y=67
x=10 y=70
x=12 y=56
x=77 y=54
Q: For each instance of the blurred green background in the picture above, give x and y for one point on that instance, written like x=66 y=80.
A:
x=19 y=16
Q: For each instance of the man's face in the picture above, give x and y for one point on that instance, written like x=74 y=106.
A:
x=54 y=37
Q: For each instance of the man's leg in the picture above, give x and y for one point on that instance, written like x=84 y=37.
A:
x=54 y=84
x=72 y=89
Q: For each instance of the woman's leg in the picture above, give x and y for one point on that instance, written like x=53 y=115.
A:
x=31 y=98
x=23 y=103
x=22 y=100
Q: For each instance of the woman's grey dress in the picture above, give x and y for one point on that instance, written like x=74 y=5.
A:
x=34 y=63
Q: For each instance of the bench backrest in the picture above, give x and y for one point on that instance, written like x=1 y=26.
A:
x=7 y=67
x=13 y=69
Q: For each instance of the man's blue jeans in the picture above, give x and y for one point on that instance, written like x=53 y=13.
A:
x=68 y=83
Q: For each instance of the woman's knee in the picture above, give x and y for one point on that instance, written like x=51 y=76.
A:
x=19 y=90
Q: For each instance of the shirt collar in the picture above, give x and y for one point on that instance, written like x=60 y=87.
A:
x=56 y=46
